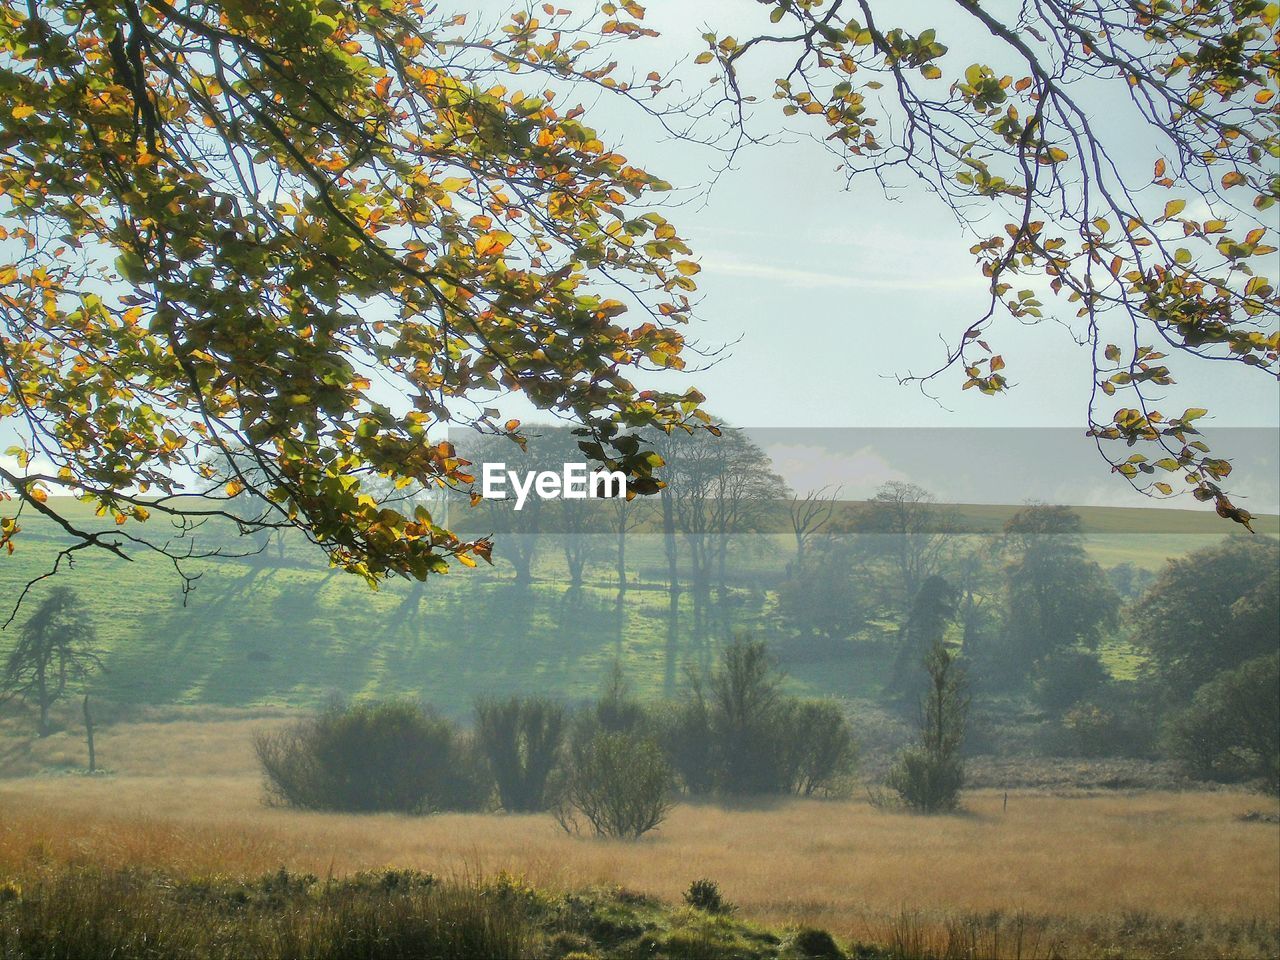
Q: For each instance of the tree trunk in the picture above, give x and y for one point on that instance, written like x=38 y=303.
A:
x=522 y=559
x=724 y=550
x=673 y=596
x=622 y=558
x=88 y=735
x=669 y=541
x=42 y=694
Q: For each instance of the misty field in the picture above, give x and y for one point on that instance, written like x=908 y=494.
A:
x=184 y=797
x=1060 y=847
x=289 y=631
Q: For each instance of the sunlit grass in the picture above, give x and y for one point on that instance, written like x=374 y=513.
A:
x=256 y=633
x=186 y=796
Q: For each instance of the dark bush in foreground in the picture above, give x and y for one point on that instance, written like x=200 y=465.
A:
x=364 y=758
x=617 y=784
x=705 y=895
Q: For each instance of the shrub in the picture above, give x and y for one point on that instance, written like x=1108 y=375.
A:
x=745 y=709
x=816 y=745
x=363 y=758
x=736 y=734
x=817 y=944
x=928 y=777
x=1066 y=677
x=705 y=895
x=521 y=739
x=1113 y=723
x=686 y=740
x=617 y=711
x=927 y=782
x=618 y=783
x=1231 y=731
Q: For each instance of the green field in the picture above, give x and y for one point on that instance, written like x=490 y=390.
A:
x=255 y=631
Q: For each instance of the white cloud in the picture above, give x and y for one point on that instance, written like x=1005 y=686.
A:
x=858 y=276
x=808 y=468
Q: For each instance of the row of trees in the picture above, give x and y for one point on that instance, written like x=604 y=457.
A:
x=1028 y=605
x=612 y=766
x=1027 y=609
x=1030 y=609
x=717 y=489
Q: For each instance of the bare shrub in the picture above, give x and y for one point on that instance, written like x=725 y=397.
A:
x=618 y=784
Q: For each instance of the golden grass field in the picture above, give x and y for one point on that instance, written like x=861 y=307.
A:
x=186 y=796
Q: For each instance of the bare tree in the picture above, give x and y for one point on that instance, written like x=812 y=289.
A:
x=719 y=489
x=810 y=515
x=627 y=516
x=917 y=533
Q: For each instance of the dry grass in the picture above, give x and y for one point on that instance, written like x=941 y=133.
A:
x=185 y=797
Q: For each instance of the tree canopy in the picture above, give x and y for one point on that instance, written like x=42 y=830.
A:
x=312 y=232
x=1210 y=611
x=230 y=222
x=1057 y=598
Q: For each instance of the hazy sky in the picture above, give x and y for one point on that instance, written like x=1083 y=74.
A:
x=829 y=293
x=833 y=292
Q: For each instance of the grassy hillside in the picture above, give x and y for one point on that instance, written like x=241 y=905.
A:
x=257 y=631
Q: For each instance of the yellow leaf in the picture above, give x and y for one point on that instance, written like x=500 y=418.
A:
x=493 y=243
x=1173 y=208
x=25 y=110
x=234 y=487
